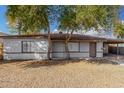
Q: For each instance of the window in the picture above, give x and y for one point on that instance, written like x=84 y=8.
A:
x=73 y=47
x=39 y=46
x=34 y=46
x=26 y=46
x=58 y=47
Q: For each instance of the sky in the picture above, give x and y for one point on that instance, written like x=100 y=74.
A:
x=3 y=20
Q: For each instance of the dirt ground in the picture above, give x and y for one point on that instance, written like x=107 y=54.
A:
x=59 y=74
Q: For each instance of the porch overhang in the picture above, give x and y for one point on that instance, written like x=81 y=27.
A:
x=114 y=41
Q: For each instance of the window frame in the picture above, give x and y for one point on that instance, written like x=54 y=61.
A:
x=30 y=47
x=78 y=50
x=27 y=46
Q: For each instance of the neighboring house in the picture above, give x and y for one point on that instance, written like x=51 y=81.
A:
x=2 y=34
x=23 y=47
x=1 y=44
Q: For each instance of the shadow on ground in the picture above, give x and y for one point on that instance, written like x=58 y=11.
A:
x=49 y=63
x=39 y=63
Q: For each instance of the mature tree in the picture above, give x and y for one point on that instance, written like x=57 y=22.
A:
x=86 y=17
x=13 y=18
x=119 y=25
x=119 y=29
x=31 y=19
x=95 y=16
x=67 y=22
x=27 y=19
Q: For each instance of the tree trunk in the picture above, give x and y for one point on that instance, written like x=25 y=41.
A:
x=19 y=28
x=19 y=32
x=66 y=45
x=49 y=45
x=67 y=51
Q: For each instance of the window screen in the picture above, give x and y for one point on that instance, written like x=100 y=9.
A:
x=73 y=46
x=34 y=46
x=26 y=46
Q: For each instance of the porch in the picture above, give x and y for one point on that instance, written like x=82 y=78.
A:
x=113 y=52
x=113 y=46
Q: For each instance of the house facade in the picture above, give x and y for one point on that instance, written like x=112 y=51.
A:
x=79 y=49
x=25 y=47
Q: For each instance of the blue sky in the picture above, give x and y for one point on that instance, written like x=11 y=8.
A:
x=3 y=20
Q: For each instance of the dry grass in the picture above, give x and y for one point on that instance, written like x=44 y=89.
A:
x=77 y=73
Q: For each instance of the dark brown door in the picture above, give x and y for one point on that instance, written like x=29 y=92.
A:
x=92 y=49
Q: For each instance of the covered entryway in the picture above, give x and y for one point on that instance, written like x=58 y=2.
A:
x=113 y=46
x=93 y=49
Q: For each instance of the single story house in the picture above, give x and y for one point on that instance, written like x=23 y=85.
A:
x=24 y=47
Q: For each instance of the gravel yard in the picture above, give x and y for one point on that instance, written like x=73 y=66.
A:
x=76 y=73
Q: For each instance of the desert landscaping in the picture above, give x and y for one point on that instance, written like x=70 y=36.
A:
x=56 y=74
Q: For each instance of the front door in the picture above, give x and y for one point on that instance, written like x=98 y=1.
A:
x=92 y=49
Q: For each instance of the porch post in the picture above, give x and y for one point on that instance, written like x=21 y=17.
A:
x=117 y=50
